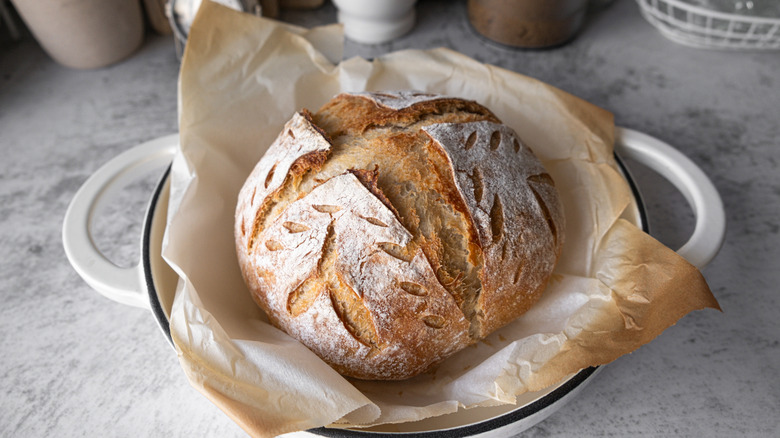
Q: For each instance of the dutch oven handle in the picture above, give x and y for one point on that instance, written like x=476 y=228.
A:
x=710 y=229
x=120 y=284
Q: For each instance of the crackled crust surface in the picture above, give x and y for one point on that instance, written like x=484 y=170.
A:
x=390 y=230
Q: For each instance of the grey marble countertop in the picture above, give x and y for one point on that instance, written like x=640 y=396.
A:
x=73 y=363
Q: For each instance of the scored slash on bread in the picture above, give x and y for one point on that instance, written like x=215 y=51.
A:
x=513 y=225
x=390 y=230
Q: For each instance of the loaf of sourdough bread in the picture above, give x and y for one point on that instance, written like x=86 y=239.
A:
x=390 y=230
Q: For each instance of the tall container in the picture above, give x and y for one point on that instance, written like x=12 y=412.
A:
x=84 y=33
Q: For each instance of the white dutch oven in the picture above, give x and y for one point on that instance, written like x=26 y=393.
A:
x=152 y=283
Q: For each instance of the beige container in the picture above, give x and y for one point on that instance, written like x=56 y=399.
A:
x=527 y=23
x=84 y=33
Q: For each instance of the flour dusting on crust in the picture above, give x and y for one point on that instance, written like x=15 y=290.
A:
x=398 y=100
x=298 y=139
x=342 y=209
x=492 y=169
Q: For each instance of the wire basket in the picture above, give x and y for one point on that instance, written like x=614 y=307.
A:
x=703 y=28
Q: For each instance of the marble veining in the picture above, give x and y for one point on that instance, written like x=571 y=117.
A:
x=73 y=363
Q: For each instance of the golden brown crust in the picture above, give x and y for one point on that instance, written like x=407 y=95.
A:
x=406 y=226
x=357 y=114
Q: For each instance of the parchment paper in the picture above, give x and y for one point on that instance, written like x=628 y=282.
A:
x=242 y=78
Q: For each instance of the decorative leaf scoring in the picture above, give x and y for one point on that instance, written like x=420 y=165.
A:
x=374 y=221
x=302 y=298
x=330 y=209
x=321 y=280
x=396 y=251
x=495 y=140
x=544 y=179
x=434 y=321
x=353 y=313
x=546 y=213
x=519 y=272
x=470 y=141
x=313 y=238
x=504 y=164
x=328 y=252
x=273 y=245
x=413 y=289
x=268 y=178
x=479 y=185
x=497 y=219
x=295 y=227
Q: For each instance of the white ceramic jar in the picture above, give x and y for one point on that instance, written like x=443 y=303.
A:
x=375 y=21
